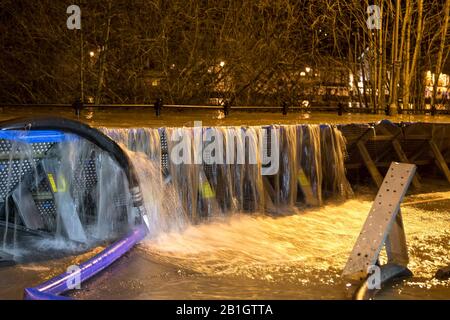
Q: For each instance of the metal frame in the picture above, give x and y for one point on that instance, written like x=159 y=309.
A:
x=383 y=226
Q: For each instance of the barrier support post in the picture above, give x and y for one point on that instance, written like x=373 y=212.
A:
x=383 y=227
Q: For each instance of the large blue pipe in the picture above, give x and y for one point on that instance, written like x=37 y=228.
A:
x=54 y=288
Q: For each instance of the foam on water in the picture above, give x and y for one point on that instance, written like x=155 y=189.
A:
x=310 y=246
x=161 y=199
x=244 y=243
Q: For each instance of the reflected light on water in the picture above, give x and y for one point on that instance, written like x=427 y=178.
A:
x=306 y=248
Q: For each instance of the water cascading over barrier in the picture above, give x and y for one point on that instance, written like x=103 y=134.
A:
x=85 y=205
x=212 y=182
x=73 y=186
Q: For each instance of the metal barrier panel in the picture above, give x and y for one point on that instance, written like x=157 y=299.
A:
x=380 y=221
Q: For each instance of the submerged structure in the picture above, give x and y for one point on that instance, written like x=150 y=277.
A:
x=309 y=166
x=65 y=180
x=58 y=181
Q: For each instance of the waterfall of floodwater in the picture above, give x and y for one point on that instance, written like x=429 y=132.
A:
x=295 y=256
x=250 y=247
x=145 y=140
x=208 y=173
x=99 y=193
x=187 y=174
x=161 y=200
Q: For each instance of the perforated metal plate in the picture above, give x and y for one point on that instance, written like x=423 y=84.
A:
x=85 y=176
x=11 y=172
x=379 y=221
x=5 y=146
x=10 y=175
x=164 y=152
x=65 y=207
x=47 y=211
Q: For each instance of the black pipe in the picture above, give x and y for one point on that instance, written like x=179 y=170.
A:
x=215 y=107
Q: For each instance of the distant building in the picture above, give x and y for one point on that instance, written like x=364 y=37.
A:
x=442 y=87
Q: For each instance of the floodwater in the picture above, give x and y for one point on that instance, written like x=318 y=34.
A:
x=144 y=117
x=299 y=256
x=295 y=256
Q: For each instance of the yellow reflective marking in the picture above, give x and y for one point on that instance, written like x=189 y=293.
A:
x=207 y=191
x=302 y=179
x=61 y=182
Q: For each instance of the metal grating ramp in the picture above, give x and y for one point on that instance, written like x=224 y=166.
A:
x=383 y=224
x=24 y=180
x=14 y=166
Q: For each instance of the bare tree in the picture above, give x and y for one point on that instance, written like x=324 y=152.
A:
x=248 y=52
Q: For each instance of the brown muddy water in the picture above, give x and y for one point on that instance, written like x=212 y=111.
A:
x=144 y=117
x=299 y=255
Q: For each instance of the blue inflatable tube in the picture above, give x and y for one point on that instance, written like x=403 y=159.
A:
x=54 y=288
x=36 y=136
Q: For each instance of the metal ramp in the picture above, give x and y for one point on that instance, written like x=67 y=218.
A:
x=64 y=202
x=31 y=183
x=383 y=227
x=26 y=207
x=19 y=154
